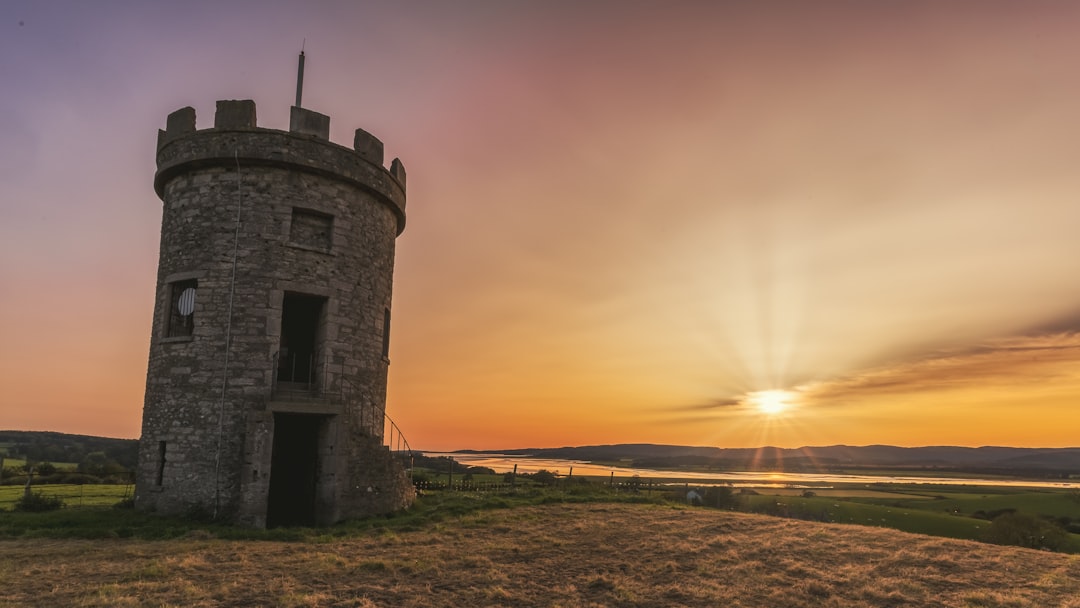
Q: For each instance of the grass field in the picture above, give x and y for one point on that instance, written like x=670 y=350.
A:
x=1056 y=504
x=850 y=512
x=86 y=495
x=935 y=510
x=932 y=510
x=852 y=492
x=556 y=555
x=18 y=463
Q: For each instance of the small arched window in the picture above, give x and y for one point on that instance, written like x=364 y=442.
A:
x=182 y=308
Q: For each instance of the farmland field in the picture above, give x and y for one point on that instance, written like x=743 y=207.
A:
x=935 y=510
x=18 y=463
x=84 y=495
x=835 y=510
x=1056 y=504
x=846 y=493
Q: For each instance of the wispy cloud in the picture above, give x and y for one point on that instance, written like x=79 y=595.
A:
x=715 y=404
x=1007 y=363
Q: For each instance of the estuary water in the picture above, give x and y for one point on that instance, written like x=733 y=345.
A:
x=503 y=463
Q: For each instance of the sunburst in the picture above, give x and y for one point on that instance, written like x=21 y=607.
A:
x=771 y=402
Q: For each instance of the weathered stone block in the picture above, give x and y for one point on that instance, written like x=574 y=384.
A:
x=368 y=147
x=235 y=114
x=308 y=122
x=178 y=124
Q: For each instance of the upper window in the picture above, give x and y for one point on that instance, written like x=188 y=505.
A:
x=311 y=229
x=181 y=308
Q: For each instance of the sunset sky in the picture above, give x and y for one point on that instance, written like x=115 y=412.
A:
x=624 y=218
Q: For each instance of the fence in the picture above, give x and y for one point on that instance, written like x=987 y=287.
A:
x=506 y=487
x=74 y=496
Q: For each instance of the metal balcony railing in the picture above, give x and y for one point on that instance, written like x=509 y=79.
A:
x=306 y=376
x=309 y=377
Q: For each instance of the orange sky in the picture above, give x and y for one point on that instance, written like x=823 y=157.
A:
x=623 y=217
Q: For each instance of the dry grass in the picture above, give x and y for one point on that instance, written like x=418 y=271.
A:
x=560 y=555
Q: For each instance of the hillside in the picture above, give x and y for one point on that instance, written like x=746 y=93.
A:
x=554 y=555
x=47 y=446
x=1047 y=462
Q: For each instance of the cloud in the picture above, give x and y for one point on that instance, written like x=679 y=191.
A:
x=715 y=404
x=1006 y=364
x=1061 y=324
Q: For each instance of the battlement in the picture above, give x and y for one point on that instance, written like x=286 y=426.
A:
x=306 y=146
x=233 y=115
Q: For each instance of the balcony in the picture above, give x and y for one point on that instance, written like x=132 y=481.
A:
x=305 y=383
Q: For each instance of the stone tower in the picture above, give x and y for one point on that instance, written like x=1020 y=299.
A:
x=266 y=383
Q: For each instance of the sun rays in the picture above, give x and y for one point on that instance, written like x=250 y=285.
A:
x=771 y=402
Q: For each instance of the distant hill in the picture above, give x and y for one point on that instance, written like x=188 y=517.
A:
x=1042 y=462
x=47 y=446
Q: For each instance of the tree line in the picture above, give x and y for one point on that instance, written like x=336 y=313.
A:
x=96 y=459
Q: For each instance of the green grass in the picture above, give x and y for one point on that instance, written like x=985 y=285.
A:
x=876 y=496
x=483 y=478
x=19 y=463
x=1049 y=503
x=87 y=495
x=432 y=509
x=937 y=473
x=911 y=513
x=948 y=514
x=962 y=500
x=844 y=511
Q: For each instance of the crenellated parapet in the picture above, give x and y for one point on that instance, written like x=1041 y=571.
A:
x=306 y=147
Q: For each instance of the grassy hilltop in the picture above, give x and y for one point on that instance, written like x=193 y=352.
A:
x=549 y=541
x=592 y=554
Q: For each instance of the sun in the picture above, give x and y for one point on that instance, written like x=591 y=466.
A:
x=771 y=402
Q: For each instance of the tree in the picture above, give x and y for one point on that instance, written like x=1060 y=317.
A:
x=544 y=477
x=721 y=497
x=97 y=463
x=37 y=502
x=1026 y=530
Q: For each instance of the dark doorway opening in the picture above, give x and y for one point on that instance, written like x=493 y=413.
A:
x=302 y=321
x=294 y=470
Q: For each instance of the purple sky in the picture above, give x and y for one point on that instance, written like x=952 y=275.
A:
x=627 y=220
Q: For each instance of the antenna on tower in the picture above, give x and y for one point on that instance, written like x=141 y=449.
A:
x=300 y=74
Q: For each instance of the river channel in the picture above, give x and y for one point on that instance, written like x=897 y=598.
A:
x=503 y=463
